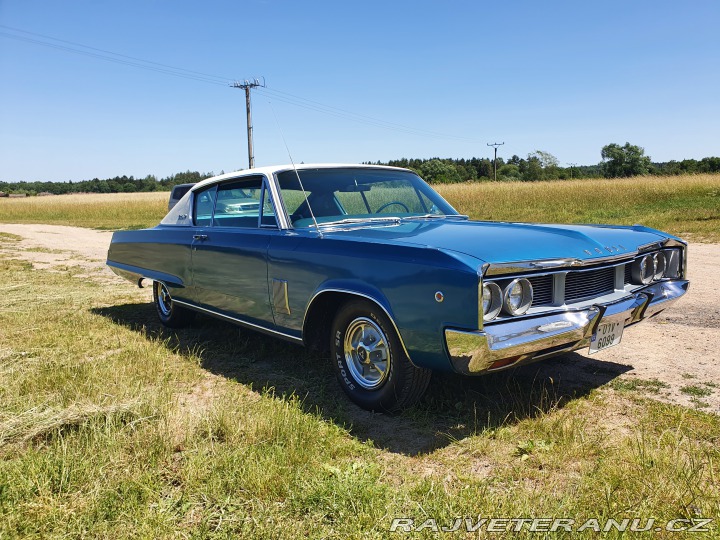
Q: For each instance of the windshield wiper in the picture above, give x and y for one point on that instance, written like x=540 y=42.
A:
x=433 y=216
x=346 y=221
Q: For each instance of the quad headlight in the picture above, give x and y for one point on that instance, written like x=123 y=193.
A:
x=492 y=300
x=659 y=261
x=643 y=269
x=511 y=297
x=517 y=297
x=656 y=266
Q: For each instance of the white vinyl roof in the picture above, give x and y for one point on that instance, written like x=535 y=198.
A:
x=272 y=169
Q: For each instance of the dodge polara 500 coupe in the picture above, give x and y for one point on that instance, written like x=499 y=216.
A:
x=372 y=265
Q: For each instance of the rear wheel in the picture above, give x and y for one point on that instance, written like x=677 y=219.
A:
x=169 y=312
x=370 y=362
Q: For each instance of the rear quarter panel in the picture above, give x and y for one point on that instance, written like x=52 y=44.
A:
x=159 y=253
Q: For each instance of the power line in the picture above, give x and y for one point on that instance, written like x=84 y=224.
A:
x=290 y=98
x=166 y=69
x=114 y=60
x=221 y=80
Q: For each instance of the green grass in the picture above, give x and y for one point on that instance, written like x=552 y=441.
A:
x=696 y=391
x=114 y=427
x=652 y=386
x=688 y=206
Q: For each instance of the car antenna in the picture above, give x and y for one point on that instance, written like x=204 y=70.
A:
x=307 y=201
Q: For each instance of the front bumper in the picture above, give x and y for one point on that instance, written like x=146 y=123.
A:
x=510 y=343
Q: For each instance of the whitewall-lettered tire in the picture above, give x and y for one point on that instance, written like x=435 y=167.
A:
x=370 y=362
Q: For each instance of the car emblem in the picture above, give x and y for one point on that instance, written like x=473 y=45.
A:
x=439 y=296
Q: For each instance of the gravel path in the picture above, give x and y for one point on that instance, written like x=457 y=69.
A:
x=679 y=348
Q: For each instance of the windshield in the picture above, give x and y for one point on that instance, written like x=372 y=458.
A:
x=351 y=195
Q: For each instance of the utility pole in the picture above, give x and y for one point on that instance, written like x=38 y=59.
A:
x=571 y=169
x=247 y=85
x=495 y=145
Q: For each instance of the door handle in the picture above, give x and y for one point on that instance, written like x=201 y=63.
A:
x=201 y=237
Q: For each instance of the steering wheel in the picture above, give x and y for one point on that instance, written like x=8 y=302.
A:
x=384 y=206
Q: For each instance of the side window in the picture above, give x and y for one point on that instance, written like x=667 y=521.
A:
x=268 y=210
x=203 y=206
x=241 y=203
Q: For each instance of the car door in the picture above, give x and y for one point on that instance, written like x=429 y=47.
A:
x=229 y=252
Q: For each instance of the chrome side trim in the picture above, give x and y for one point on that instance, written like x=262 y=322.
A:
x=660 y=244
x=277 y=202
x=481 y=312
x=251 y=326
x=474 y=352
x=280 y=300
x=497 y=269
x=367 y=297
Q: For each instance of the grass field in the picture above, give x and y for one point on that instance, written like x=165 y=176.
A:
x=113 y=427
x=98 y=211
x=688 y=206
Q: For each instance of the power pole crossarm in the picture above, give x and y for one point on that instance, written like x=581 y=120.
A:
x=247 y=85
x=495 y=145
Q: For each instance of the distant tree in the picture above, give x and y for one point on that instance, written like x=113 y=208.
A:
x=623 y=161
x=531 y=169
x=540 y=165
x=546 y=159
x=509 y=171
x=438 y=171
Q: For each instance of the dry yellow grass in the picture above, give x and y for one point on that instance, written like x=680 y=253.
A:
x=96 y=210
x=683 y=205
x=688 y=206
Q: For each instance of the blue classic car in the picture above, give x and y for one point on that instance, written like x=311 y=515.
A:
x=372 y=265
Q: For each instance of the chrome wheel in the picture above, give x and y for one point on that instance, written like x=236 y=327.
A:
x=164 y=301
x=366 y=352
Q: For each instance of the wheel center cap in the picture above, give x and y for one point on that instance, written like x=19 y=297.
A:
x=362 y=353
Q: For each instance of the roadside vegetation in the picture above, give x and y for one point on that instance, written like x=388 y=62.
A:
x=98 y=211
x=688 y=206
x=618 y=161
x=112 y=426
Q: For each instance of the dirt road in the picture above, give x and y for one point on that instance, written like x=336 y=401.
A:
x=678 y=351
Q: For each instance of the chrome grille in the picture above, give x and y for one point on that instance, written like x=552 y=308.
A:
x=542 y=289
x=628 y=273
x=580 y=285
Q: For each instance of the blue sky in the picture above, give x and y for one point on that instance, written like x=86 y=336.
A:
x=563 y=77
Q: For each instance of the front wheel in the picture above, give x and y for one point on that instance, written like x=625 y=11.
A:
x=169 y=312
x=370 y=362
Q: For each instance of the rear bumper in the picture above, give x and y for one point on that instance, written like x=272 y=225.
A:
x=525 y=340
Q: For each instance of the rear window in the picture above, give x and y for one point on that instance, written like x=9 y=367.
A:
x=178 y=192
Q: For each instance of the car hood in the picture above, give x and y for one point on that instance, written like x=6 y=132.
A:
x=498 y=242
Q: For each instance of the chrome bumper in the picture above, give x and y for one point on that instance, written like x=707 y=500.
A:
x=475 y=352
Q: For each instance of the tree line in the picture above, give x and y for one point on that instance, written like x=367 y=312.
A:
x=118 y=184
x=617 y=162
